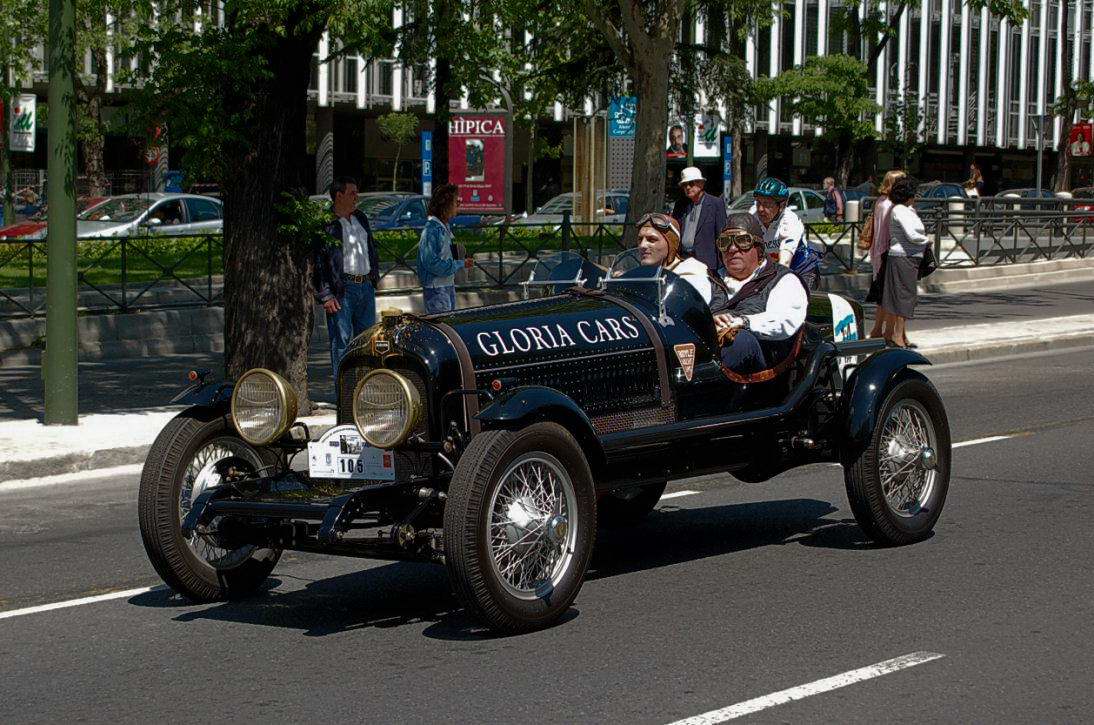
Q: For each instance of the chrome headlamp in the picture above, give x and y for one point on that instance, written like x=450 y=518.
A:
x=263 y=406
x=386 y=407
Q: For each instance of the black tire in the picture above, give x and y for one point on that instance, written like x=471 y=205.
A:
x=479 y=475
x=629 y=506
x=160 y=519
x=869 y=504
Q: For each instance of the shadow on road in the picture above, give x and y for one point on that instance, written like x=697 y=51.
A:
x=401 y=593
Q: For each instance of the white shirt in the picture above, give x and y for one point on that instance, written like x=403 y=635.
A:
x=694 y=273
x=786 y=306
x=907 y=237
x=782 y=237
x=355 y=243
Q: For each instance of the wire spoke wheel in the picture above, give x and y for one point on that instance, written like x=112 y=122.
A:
x=532 y=525
x=907 y=458
x=201 y=475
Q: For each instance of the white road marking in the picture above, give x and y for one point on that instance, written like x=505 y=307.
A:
x=978 y=441
x=677 y=494
x=22 y=484
x=76 y=602
x=813 y=688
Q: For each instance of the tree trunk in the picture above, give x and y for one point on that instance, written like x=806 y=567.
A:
x=529 y=185
x=443 y=19
x=8 y=202
x=651 y=82
x=738 y=167
x=267 y=278
x=395 y=168
x=845 y=160
x=94 y=134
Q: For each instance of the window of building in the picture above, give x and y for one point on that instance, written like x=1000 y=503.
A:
x=386 y=78
x=349 y=83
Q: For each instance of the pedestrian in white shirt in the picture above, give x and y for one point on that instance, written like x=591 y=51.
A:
x=879 y=247
x=767 y=305
x=908 y=241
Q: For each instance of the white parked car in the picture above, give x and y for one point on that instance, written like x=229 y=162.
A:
x=134 y=215
x=611 y=205
x=808 y=204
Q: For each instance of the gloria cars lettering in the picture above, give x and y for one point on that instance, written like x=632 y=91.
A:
x=554 y=336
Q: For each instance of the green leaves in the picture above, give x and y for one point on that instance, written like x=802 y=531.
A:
x=399 y=128
x=830 y=91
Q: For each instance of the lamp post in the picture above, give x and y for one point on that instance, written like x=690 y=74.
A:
x=59 y=363
x=1040 y=119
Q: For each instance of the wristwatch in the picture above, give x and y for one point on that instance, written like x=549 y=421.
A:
x=745 y=324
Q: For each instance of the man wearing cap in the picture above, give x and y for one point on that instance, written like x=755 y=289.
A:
x=767 y=305
x=701 y=217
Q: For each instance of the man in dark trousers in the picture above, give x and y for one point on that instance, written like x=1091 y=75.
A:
x=701 y=218
x=347 y=269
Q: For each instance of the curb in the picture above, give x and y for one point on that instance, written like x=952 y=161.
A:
x=1006 y=348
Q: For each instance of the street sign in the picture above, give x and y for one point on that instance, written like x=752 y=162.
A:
x=427 y=163
x=22 y=131
x=727 y=161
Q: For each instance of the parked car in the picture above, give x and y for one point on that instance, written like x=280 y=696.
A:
x=35 y=227
x=808 y=204
x=398 y=210
x=167 y=214
x=493 y=440
x=1031 y=199
x=932 y=196
x=612 y=206
x=1084 y=202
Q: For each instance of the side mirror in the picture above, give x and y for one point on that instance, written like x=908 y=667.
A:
x=154 y=221
x=793 y=207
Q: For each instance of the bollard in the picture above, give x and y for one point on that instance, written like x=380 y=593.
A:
x=956 y=212
x=851 y=211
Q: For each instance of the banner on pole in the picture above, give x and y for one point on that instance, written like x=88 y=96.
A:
x=427 y=163
x=22 y=131
x=727 y=162
x=1081 y=141
x=621 y=117
x=479 y=146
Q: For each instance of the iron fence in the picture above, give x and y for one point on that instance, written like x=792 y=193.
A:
x=131 y=273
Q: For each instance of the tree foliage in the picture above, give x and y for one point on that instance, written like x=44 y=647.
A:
x=830 y=91
x=400 y=129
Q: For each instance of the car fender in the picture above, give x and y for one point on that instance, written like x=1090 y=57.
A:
x=865 y=392
x=206 y=395
x=525 y=405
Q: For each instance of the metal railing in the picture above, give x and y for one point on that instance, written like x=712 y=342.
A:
x=135 y=273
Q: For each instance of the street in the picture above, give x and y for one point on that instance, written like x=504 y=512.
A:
x=728 y=592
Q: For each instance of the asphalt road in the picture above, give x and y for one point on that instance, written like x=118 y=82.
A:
x=723 y=595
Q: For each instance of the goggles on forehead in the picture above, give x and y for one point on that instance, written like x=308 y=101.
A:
x=736 y=238
x=662 y=222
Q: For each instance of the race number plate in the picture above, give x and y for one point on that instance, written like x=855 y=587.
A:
x=341 y=453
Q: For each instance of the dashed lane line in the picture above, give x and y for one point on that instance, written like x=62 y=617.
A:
x=978 y=441
x=812 y=688
x=76 y=602
x=678 y=494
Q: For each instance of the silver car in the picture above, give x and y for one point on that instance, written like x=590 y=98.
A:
x=133 y=215
x=808 y=204
x=612 y=208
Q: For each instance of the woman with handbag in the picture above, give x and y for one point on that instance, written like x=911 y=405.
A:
x=879 y=247
x=908 y=242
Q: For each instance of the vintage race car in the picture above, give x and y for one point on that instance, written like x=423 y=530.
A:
x=494 y=440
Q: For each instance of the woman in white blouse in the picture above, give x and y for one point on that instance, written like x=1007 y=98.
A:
x=880 y=245
x=907 y=243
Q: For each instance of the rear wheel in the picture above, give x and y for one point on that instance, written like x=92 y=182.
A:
x=184 y=462
x=629 y=505
x=898 y=484
x=519 y=526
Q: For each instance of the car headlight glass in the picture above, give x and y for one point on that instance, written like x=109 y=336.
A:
x=386 y=407
x=263 y=406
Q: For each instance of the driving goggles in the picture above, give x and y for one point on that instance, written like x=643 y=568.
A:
x=662 y=222
x=736 y=238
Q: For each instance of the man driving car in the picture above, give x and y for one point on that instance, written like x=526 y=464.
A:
x=767 y=304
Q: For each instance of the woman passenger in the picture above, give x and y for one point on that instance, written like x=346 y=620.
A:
x=659 y=244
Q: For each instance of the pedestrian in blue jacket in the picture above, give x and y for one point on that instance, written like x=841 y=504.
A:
x=437 y=266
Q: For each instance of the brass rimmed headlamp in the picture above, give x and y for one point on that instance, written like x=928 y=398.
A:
x=386 y=407
x=263 y=406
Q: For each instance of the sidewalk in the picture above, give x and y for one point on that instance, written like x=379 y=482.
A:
x=123 y=402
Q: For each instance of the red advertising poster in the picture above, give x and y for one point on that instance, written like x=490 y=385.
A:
x=477 y=160
x=1081 y=141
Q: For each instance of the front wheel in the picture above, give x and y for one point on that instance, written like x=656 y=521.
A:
x=183 y=463
x=898 y=484
x=519 y=526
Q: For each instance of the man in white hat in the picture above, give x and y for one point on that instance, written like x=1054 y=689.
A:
x=701 y=218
